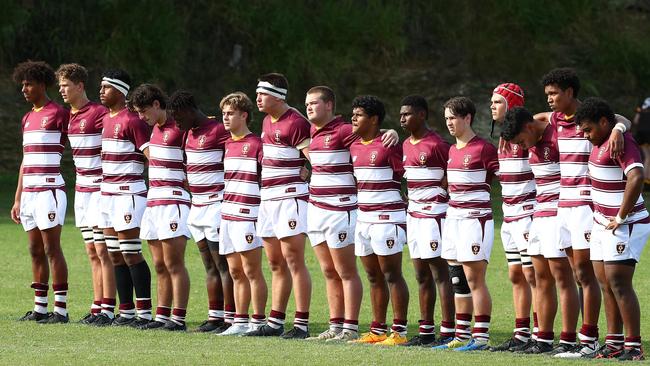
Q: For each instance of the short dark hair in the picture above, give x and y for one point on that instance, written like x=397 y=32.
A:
x=36 y=71
x=514 y=122
x=145 y=94
x=565 y=78
x=418 y=103
x=73 y=72
x=326 y=94
x=118 y=74
x=275 y=79
x=461 y=106
x=372 y=105
x=181 y=100
x=592 y=110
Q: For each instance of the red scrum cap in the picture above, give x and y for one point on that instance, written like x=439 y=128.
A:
x=512 y=93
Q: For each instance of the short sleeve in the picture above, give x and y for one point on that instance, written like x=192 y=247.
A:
x=441 y=153
x=490 y=159
x=631 y=157
x=396 y=161
x=99 y=119
x=347 y=137
x=140 y=133
x=299 y=132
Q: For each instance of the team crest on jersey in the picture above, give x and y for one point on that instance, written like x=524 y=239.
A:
x=165 y=136
x=116 y=130
x=547 y=153
x=466 y=159
x=173 y=226
x=127 y=218
x=328 y=139
x=434 y=245
x=588 y=236
x=620 y=248
x=82 y=125
x=390 y=243
x=373 y=157
x=476 y=248
x=43 y=122
x=515 y=150
x=277 y=136
x=201 y=140
x=292 y=224
x=526 y=236
x=245 y=148
x=249 y=238
x=342 y=236
x=51 y=216
x=422 y=158
x=601 y=151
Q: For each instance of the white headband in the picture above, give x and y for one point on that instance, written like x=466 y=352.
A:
x=118 y=84
x=267 y=88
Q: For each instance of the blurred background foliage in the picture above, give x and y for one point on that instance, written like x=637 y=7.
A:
x=389 y=48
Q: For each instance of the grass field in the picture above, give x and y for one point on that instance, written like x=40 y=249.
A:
x=30 y=343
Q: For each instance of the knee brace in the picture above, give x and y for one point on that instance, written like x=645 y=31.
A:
x=459 y=281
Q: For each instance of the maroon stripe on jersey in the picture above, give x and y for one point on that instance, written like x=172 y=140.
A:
x=516 y=177
x=613 y=211
x=518 y=199
x=332 y=191
x=469 y=204
x=41 y=169
x=547 y=179
x=458 y=188
x=204 y=168
x=573 y=158
x=235 y=175
x=86 y=172
x=573 y=182
x=423 y=184
x=377 y=186
x=169 y=164
x=236 y=218
x=122 y=178
x=288 y=163
x=421 y=215
x=543 y=198
x=87 y=151
x=270 y=182
x=206 y=189
x=388 y=206
x=346 y=168
x=545 y=213
x=79 y=188
x=436 y=199
x=122 y=157
x=166 y=183
x=237 y=198
x=333 y=208
x=163 y=202
x=42 y=148
x=608 y=186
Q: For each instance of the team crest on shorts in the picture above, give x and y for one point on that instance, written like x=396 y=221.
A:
x=43 y=122
x=292 y=224
x=526 y=236
x=588 y=236
x=51 y=216
x=466 y=160
x=390 y=243
x=342 y=236
x=127 y=218
x=249 y=238
x=476 y=248
x=434 y=245
x=82 y=125
x=620 y=248
x=422 y=158
x=173 y=226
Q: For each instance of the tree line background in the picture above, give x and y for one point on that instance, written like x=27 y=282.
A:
x=388 y=48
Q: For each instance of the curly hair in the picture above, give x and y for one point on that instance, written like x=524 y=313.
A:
x=592 y=110
x=73 y=72
x=238 y=101
x=418 y=103
x=35 y=71
x=372 y=105
x=181 y=100
x=461 y=106
x=118 y=74
x=514 y=122
x=145 y=94
x=563 y=77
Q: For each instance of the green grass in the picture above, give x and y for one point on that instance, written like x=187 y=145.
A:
x=29 y=343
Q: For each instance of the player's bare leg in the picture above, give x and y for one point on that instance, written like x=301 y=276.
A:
x=440 y=271
x=252 y=264
x=40 y=266
x=620 y=275
x=226 y=285
x=569 y=301
x=293 y=251
x=481 y=299
x=391 y=266
x=95 y=272
x=345 y=263
x=59 y=271
x=379 y=293
x=333 y=283
x=241 y=285
x=174 y=257
x=163 y=286
x=615 y=337
x=214 y=289
x=546 y=304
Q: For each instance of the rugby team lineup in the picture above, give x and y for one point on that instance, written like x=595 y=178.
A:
x=574 y=220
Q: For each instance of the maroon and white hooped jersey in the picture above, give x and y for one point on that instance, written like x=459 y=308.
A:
x=282 y=158
x=608 y=179
x=166 y=166
x=379 y=171
x=204 y=149
x=517 y=184
x=124 y=137
x=469 y=173
x=575 y=187
x=242 y=165
x=425 y=163
x=44 y=133
x=545 y=163
x=332 y=185
x=85 y=136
